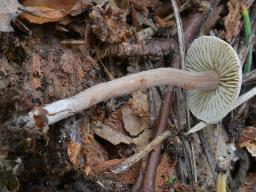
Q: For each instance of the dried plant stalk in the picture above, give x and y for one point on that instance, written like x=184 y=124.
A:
x=153 y=48
x=162 y=76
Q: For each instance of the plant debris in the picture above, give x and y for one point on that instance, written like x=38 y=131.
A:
x=52 y=50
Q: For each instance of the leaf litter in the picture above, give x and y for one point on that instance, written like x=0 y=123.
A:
x=84 y=148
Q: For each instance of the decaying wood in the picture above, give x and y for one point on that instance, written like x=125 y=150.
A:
x=37 y=64
x=156 y=48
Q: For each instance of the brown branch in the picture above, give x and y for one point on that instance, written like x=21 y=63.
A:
x=249 y=77
x=148 y=183
x=156 y=48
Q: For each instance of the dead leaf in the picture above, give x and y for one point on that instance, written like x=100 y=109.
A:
x=133 y=124
x=135 y=116
x=115 y=121
x=248 y=140
x=8 y=12
x=87 y=170
x=74 y=153
x=232 y=20
x=142 y=140
x=113 y=136
x=50 y=11
x=139 y=103
x=56 y=4
x=50 y=15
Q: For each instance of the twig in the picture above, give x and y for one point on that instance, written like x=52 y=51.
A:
x=109 y=75
x=155 y=48
x=181 y=8
x=148 y=183
x=242 y=99
x=249 y=77
x=72 y=42
x=151 y=99
x=138 y=156
x=209 y=156
x=180 y=34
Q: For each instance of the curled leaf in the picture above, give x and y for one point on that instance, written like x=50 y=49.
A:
x=50 y=11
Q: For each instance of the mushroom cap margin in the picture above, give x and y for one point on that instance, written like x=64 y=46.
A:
x=211 y=53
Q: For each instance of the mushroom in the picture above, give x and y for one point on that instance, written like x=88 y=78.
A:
x=213 y=77
x=211 y=53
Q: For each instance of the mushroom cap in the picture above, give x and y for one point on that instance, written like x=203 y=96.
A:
x=211 y=53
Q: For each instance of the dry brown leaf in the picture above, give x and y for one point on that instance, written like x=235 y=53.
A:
x=135 y=116
x=115 y=121
x=8 y=12
x=139 y=104
x=142 y=140
x=248 y=140
x=50 y=11
x=73 y=152
x=56 y=4
x=232 y=20
x=51 y=15
x=113 y=136
x=133 y=124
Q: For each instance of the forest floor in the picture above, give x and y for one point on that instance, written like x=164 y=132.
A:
x=52 y=50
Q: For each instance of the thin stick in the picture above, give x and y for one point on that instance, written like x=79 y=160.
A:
x=138 y=156
x=157 y=48
x=249 y=77
x=148 y=182
x=208 y=153
x=180 y=34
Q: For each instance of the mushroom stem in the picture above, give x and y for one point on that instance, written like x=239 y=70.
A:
x=64 y=108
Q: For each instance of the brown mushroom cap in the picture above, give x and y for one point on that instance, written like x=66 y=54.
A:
x=208 y=53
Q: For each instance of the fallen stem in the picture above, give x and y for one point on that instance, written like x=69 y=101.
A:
x=155 y=48
x=180 y=34
x=126 y=164
x=148 y=182
x=190 y=80
x=249 y=77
